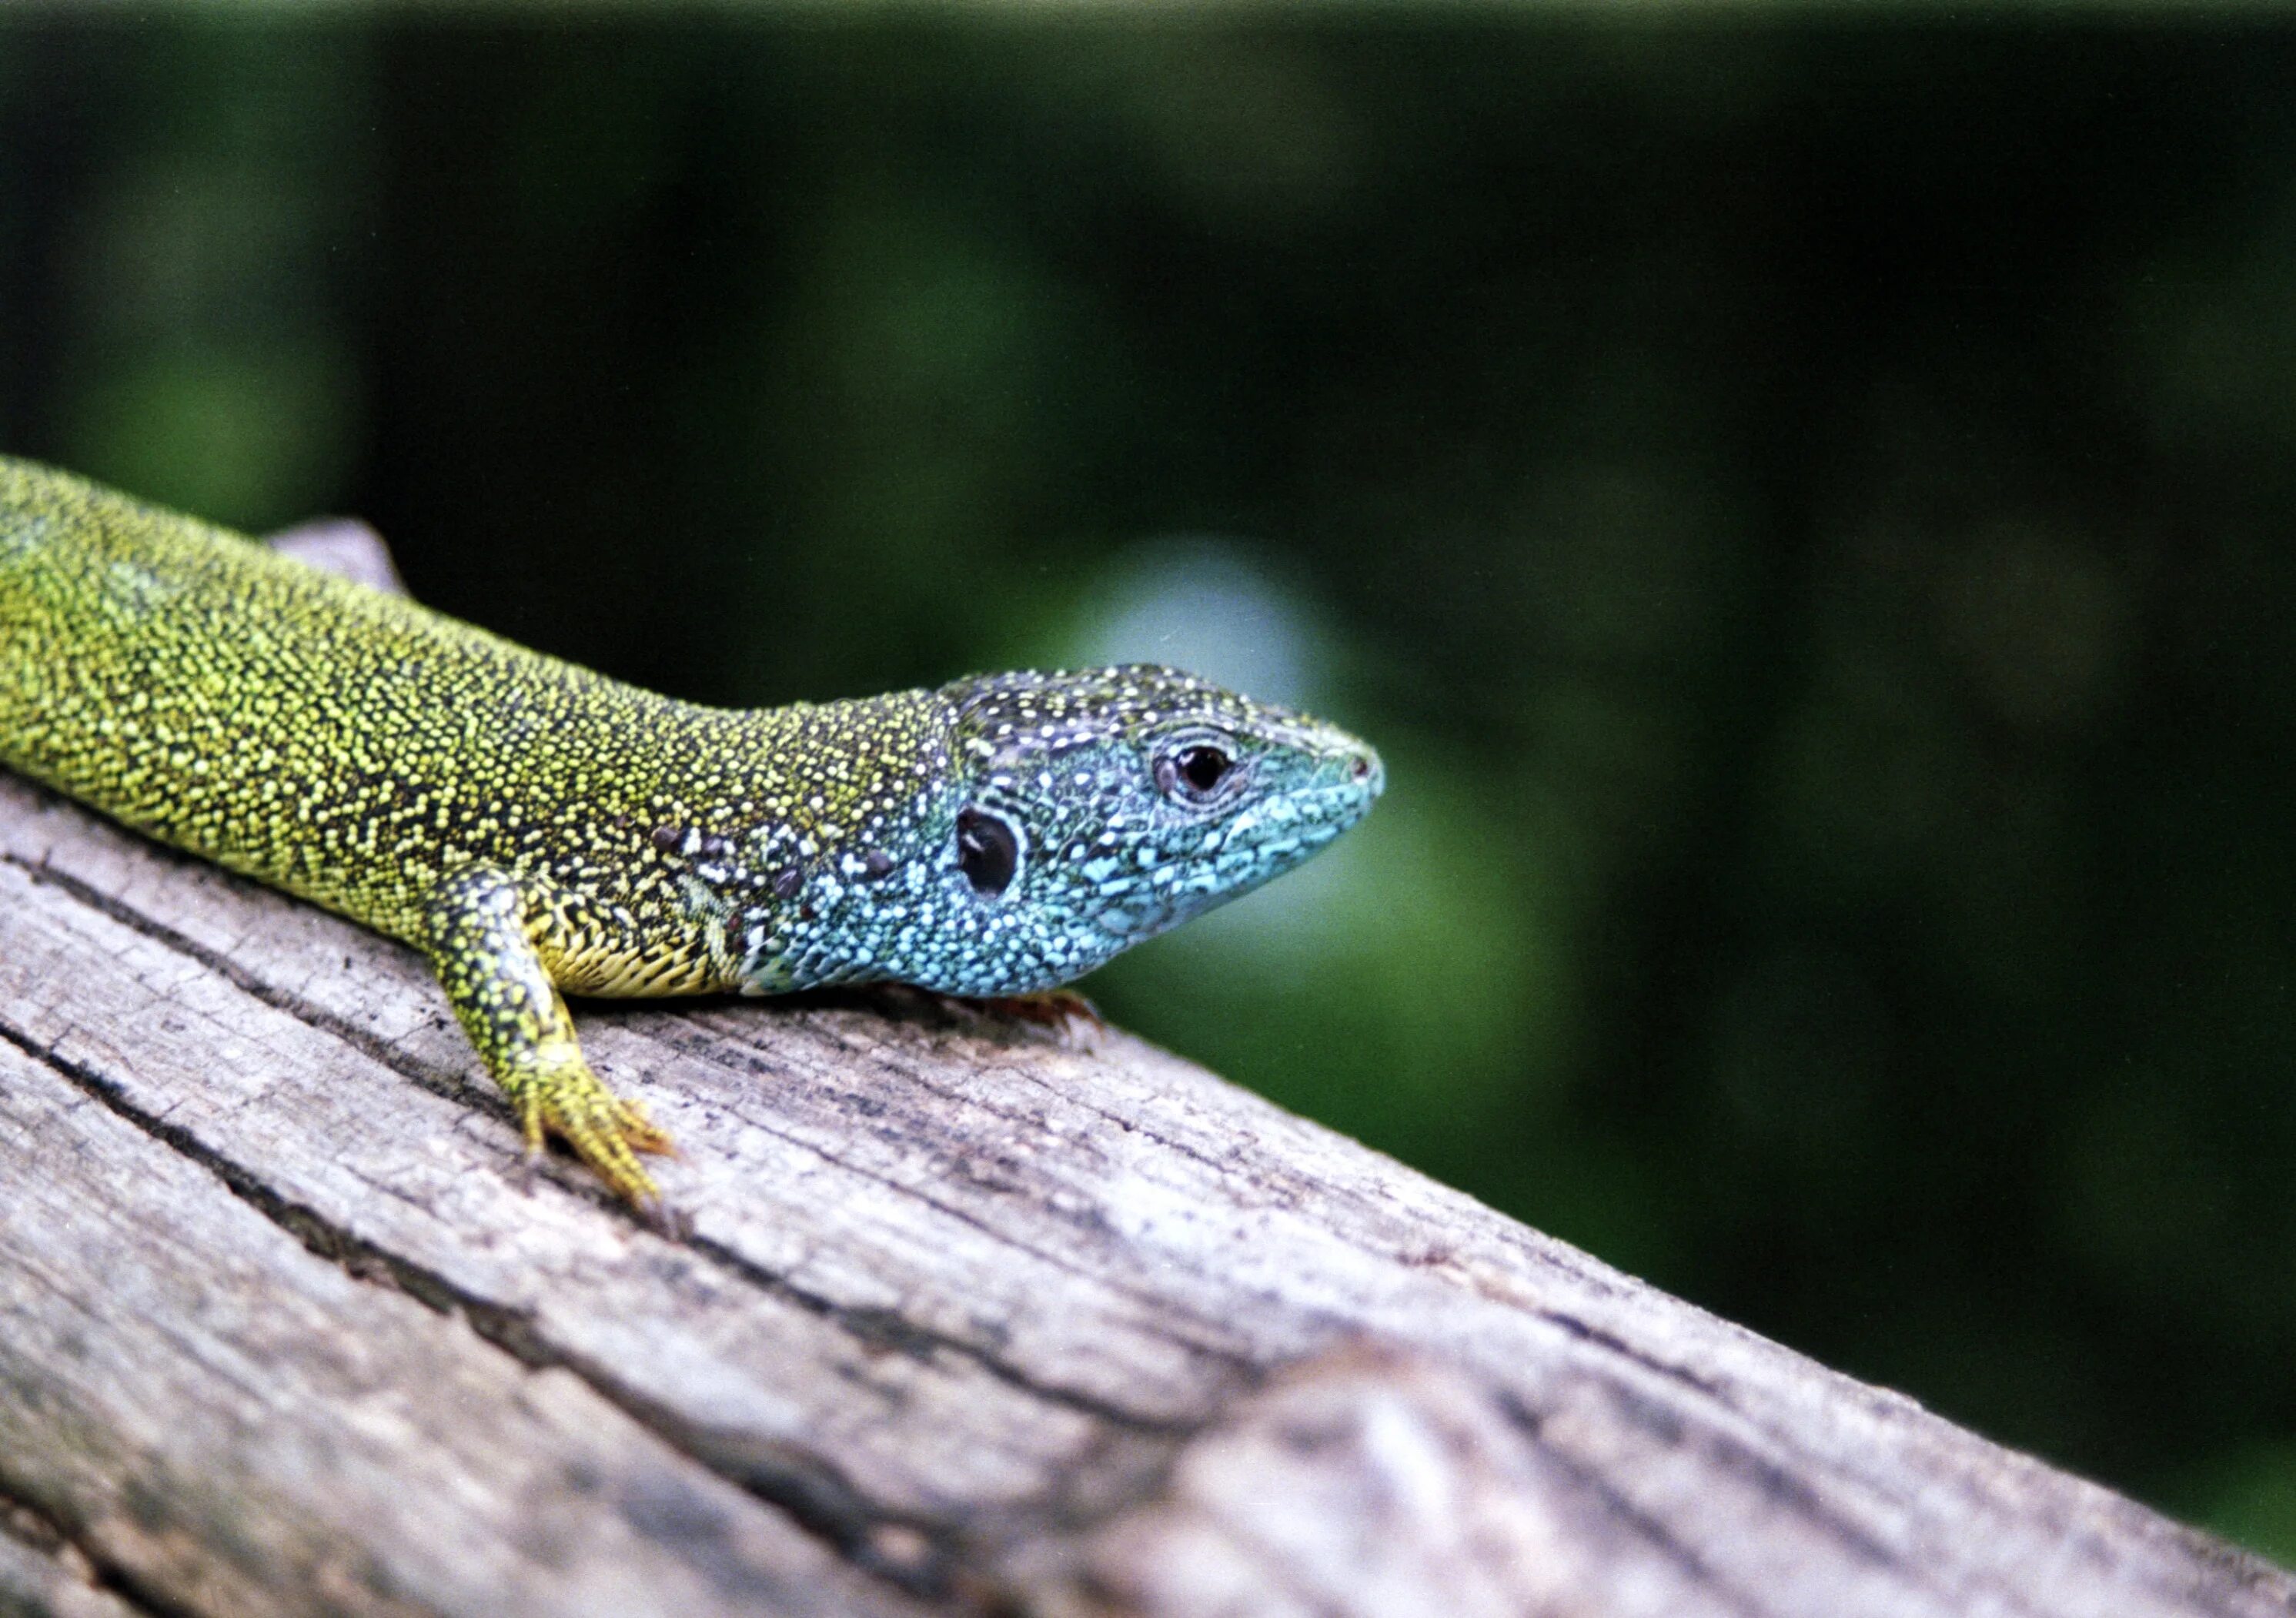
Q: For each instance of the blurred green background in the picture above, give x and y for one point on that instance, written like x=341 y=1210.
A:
x=1805 y=507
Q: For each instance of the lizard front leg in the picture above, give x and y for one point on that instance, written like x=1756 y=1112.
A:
x=489 y=937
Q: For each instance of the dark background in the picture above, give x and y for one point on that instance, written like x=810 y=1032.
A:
x=1805 y=509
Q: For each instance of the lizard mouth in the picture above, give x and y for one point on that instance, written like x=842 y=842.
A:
x=1246 y=861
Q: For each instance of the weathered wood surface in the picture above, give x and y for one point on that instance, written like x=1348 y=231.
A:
x=966 y=1319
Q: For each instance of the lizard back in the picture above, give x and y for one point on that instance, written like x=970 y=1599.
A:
x=347 y=745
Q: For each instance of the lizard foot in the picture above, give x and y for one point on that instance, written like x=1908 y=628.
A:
x=566 y=1099
x=1064 y=1011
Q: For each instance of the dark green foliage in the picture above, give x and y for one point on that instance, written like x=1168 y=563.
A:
x=1805 y=509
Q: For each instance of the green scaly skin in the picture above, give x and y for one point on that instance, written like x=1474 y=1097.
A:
x=535 y=828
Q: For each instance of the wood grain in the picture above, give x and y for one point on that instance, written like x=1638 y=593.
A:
x=962 y=1317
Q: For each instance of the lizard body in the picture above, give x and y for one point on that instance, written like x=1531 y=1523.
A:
x=535 y=827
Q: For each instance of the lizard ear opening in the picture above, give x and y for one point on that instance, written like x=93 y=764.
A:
x=988 y=851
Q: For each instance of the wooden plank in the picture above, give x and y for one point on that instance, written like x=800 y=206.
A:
x=995 y=1318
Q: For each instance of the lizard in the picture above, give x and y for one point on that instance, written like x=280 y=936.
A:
x=537 y=829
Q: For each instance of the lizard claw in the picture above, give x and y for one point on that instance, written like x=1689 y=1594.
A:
x=567 y=1100
x=1063 y=1011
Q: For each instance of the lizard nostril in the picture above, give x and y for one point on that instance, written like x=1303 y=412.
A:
x=1362 y=767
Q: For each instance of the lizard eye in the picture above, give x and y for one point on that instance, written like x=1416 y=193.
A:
x=988 y=852
x=1196 y=773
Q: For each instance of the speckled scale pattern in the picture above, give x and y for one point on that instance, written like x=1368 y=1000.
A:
x=536 y=827
x=351 y=747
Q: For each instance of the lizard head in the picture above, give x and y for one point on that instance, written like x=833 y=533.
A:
x=1049 y=822
x=1098 y=808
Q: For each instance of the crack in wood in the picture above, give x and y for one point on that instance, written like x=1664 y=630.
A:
x=441 y=1082
x=1614 y=1503
x=1773 y=1482
x=1610 y=1343
x=888 y=1329
x=73 y=1558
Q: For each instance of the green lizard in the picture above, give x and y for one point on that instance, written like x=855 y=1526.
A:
x=534 y=827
